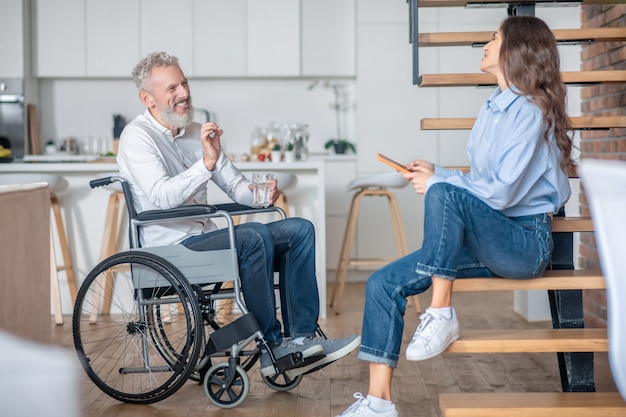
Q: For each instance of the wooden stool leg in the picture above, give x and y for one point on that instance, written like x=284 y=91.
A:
x=54 y=284
x=346 y=252
x=111 y=229
x=108 y=248
x=67 y=266
x=282 y=202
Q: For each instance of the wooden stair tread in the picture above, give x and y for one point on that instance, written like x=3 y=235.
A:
x=573 y=173
x=530 y=340
x=572 y=224
x=550 y=280
x=561 y=35
x=464 y=3
x=552 y=404
x=483 y=79
x=578 y=123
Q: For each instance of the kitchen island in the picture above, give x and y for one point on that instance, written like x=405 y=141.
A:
x=85 y=209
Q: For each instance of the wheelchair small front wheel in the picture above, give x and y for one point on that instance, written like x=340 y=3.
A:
x=281 y=382
x=224 y=390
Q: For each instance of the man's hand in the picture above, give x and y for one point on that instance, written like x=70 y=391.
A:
x=273 y=191
x=210 y=135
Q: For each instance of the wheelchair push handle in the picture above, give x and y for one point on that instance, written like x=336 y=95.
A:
x=101 y=182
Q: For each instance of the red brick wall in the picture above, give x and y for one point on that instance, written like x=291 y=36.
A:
x=601 y=100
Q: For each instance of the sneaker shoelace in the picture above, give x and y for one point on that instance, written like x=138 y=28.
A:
x=423 y=329
x=361 y=402
x=289 y=342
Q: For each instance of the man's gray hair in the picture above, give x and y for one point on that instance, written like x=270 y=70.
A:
x=143 y=70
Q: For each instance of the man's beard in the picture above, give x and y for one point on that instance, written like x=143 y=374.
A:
x=178 y=121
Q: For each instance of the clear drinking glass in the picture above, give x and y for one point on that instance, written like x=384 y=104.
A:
x=262 y=182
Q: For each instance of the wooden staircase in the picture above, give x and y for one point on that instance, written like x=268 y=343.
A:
x=573 y=343
x=586 y=35
x=579 y=123
x=478 y=3
x=487 y=80
x=553 y=404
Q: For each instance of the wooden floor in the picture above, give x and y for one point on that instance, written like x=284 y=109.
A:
x=328 y=392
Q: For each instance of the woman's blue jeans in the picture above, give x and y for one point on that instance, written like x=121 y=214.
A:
x=286 y=246
x=463 y=237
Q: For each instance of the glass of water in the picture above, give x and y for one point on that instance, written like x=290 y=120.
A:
x=262 y=183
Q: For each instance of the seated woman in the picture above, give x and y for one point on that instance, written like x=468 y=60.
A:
x=495 y=221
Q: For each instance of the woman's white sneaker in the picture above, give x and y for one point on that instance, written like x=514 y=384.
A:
x=433 y=335
x=361 y=408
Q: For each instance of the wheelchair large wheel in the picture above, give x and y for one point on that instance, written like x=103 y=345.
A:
x=137 y=327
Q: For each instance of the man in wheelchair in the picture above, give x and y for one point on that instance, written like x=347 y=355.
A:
x=167 y=160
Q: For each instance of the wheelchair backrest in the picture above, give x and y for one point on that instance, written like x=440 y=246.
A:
x=199 y=267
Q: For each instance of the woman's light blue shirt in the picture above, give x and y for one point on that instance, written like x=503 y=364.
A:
x=512 y=168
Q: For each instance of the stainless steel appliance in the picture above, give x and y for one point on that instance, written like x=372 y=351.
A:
x=12 y=115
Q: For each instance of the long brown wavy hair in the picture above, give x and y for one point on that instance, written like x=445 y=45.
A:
x=530 y=61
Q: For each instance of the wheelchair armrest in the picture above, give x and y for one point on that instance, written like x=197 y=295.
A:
x=173 y=213
x=235 y=209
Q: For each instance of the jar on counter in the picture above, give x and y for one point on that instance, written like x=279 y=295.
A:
x=257 y=141
x=300 y=133
x=69 y=145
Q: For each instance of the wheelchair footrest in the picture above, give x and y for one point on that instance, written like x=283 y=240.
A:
x=295 y=360
x=229 y=335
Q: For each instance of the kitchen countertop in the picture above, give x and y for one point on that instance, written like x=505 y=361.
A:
x=85 y=208
x=19 y=166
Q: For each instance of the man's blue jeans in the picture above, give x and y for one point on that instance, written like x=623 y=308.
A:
x=286 y=246
x=463 y=237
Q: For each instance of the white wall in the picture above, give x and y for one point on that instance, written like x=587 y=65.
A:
x=85 y=107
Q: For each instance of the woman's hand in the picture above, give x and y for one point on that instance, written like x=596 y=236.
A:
x=210 y=135
x=418 y=163
x=421 y=171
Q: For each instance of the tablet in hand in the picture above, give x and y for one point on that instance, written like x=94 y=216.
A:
x=396 y=165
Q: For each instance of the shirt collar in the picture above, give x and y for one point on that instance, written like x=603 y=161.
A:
x=501 y=100
x=164 y=130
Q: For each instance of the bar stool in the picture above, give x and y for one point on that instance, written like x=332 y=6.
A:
x=370 y=186
x=56 y=184
x=116 y=210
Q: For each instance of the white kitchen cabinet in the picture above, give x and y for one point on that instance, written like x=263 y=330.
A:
x=112 y=37
x=60 y=38
x=11 y=39
x=328 y=38
x=273 y=38
x=211 y=38
x=166 y=26
x=219 y=38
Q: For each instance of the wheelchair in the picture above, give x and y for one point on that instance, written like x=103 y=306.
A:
x=149 y=319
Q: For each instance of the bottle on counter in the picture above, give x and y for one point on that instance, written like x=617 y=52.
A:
x=257 y=141
x=301 y=141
